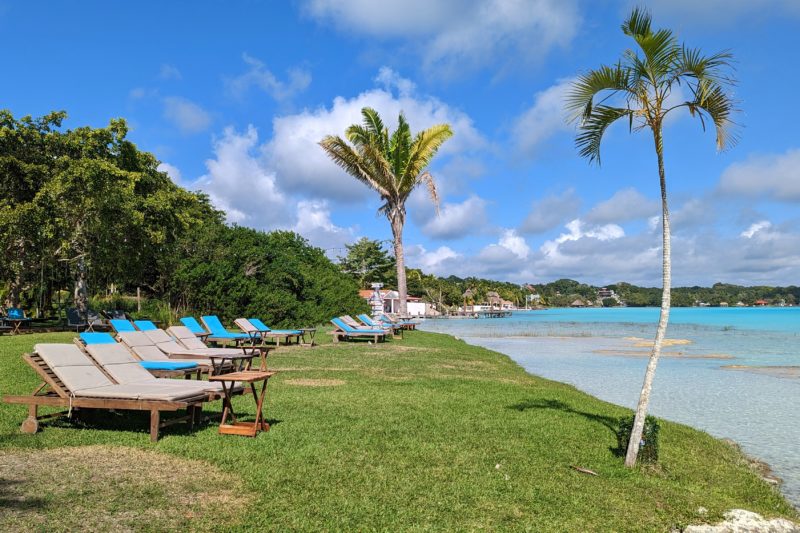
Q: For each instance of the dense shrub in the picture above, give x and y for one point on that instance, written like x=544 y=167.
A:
x=648 y=451
x=277 y=276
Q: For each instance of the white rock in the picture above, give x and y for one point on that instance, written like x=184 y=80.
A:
x=741 y=521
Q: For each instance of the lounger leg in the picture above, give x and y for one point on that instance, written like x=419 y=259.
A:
x=31 y=424
x=155 y=421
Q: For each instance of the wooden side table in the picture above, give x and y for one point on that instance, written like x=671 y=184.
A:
x=311 y=333
x=236 y=362
x=228 y=381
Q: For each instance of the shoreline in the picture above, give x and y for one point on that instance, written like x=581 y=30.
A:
x=758 y=465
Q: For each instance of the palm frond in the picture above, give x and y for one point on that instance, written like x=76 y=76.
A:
x=580 y=98
x=351 y=161
x=423 y=149
x=592 y=129
x=638 y=23
x=400 y=145
x=430 y=184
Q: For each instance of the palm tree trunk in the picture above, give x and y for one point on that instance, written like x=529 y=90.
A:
x=644 y=397
x=397 y=220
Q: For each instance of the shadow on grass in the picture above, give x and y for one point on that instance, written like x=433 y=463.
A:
x=130 y=421
x=11 y=499
x=610 y=422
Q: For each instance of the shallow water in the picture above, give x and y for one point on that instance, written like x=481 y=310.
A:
x=603 y=352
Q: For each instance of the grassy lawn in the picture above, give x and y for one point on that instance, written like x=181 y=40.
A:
x=423 y=433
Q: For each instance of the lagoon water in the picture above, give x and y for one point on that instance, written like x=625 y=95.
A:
x=734 y=372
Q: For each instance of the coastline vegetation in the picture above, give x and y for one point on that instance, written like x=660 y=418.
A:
x=424 y=433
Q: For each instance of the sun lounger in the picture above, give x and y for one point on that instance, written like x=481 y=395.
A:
x=396 y=330
x=144 y=325
x=170 y=346
x=71 y=379
x=199 y=331
x=343 y=331
x=145 y=349
x=15 y=318
x=258 y=330
x=91 y=322
x=218 y=331
x=405 y=324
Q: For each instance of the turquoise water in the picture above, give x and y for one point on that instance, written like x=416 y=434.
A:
x=604 y=352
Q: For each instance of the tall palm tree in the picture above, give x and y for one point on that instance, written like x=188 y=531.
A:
x=641 y=84
x=393 y=166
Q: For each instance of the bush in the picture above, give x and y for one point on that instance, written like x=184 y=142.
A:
x=648 y=447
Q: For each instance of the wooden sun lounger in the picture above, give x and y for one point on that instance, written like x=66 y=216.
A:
x=339 y=333
x=52 y=392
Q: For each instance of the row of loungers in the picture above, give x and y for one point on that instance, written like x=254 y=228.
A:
x=347 y=328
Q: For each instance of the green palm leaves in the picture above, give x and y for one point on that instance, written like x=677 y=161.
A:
x=391 y=164
x=639 y=87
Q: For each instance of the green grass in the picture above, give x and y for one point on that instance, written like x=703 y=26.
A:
x=424 y=433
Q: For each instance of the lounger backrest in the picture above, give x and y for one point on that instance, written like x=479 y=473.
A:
x=367 y=320
x=74 y=368
x=258 y=324
x=118 y=362
x=145 y=325
x=150 y=353
x=15 y=312
x=341 y=324
x=186 y=337
x=120 y=325
x=135 y=338
x=193 y=325
x=97 y=338
x=245 y=325
x=212 y=324
x=158 y=335
x=74 y=318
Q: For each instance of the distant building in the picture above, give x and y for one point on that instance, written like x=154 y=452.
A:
x=578 y=303
x=605 y=293
x=391 y=302
x=761 y=303
x=723 y=304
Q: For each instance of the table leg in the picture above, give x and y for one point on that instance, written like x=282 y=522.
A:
x=260 y=424
x=227 y=405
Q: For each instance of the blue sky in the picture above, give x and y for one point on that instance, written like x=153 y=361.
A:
x=233 y=98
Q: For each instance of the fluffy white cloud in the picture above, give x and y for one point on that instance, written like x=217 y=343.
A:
x=172 y=171
x=259 y=76
x=754 y=228
x=626 y=204
x=169 y=72
x=303 y=167
x=314 y=223
x=550 y=212
x=186 y=115
x=543 y=119
x=773 y=176
x=238 y=183
x=457 y=35
x=457 y=220
x=442 y=261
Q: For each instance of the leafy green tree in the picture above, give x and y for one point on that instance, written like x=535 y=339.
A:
x=642 y=82
x=368 y=262
x=393 y=166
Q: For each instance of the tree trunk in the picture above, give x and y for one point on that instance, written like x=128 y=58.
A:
x=81 y=293
x=397 y=220
x=14 y=289
x=644 y=397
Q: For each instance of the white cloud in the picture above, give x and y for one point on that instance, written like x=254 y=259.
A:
x=314 y=223
x=457 y=220
x=391 y=80
x=576 y=231
x=550 y=212
x=186 y=115
x=441 y=261
x=302 y=166
x=239 y=184
x=259 y=76
x=453 y=36
x=516 y=244
x=172 y=171
x=543 y=119
x=754 y=228
x=773 y=176
x=169 y=72
x=626 y=204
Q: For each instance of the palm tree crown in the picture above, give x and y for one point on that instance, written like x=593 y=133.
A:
x=393 y=165
x=644 y=83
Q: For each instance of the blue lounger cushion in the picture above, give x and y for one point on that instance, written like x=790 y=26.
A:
x=218 y=330
x=167 y=365
x=145 y=325
x=347 y=329
x=120 y=325
x=263 y=327
x=97 y=338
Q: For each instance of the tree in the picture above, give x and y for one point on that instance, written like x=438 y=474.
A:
x=368 y=262
x=393 y=166
x=642 y=84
